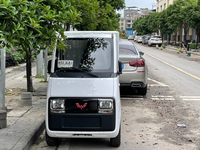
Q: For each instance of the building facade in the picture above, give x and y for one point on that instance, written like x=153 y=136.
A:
x=163 y=4
x=130 y=15
x=180 y=34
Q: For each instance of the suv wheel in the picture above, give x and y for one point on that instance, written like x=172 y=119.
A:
x=51 y=141
x=115 y=142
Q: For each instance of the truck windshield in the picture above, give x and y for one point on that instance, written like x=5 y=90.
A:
x=86 y=55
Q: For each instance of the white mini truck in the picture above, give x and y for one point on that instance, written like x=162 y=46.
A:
x=83 y=98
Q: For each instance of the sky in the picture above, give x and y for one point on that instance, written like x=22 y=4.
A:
x=139 y=4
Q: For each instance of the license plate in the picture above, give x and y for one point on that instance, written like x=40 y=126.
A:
x=65 y=63
x=122 y=66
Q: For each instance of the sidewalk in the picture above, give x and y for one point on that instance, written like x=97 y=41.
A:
x=24 y=124
x=175 y=49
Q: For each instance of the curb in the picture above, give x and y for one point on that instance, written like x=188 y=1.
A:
x=30 y=137
x=175 y=49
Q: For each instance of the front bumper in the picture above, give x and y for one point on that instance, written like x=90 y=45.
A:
x=75 y=124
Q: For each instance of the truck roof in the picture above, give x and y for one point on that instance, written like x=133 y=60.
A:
x=91 y=34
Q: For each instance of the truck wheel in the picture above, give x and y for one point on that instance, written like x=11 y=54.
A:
x=115 y=142
x=142 y=91
x=51 y=141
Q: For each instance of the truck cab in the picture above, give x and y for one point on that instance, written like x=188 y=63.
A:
x=83 y=98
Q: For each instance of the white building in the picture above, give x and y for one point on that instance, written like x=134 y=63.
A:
x=163 y=4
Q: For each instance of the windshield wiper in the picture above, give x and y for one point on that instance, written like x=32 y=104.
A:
x=81 y=70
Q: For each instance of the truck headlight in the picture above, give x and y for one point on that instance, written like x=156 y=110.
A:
x=105 y=105
x=57 y=105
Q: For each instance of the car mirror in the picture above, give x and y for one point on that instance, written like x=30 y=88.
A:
x=120 y=67
x=49 y=67
x=141 y=53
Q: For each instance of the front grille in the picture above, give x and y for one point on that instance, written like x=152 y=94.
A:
x=81 y=106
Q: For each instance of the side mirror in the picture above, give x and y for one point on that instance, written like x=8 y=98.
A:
x=141 y=53
x=49 y=67
x=120 y=67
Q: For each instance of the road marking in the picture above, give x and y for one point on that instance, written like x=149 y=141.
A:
x=128 y=98
x=158 y=83
x=191 y=75
x=162 y=98
x=190 y=98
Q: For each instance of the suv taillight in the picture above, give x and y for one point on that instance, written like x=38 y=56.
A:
x=152 y=39
x=138 y=63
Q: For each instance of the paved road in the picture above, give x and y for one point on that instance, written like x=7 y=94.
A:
x=150 y=122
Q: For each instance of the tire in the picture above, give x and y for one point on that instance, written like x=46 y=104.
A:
x=116 y=142
x=142 y=91
x=51 y=141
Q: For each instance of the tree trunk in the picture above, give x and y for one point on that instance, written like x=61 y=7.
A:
x=29 y=71
x=185 y=32
x=175 y=35
x=162 y=39
x=168 y=38
x=68 y=27
x=197 y=37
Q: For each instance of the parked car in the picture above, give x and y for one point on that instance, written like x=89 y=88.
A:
x=135 y=38
x=134 y=69
x=139 y=39
x=155 y=40
x=130 y=37
x=90 y=63
x=145 y=39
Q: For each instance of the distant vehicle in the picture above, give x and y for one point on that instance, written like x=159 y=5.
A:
x=155 y=40
x=130 y=37
x=135 y=38
x=145 y=39
x=129 y=32
x=134 y=69
x=139 y=39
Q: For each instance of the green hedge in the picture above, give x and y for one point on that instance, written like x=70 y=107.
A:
x=193 y=46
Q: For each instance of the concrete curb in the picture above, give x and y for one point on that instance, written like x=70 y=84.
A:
x=30 y=137
x=23 y=127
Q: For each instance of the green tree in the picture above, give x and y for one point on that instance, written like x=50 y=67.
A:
x=33 y=25
x=98 y=14
x=193 y=19
x=163 y=24
x=153 y=22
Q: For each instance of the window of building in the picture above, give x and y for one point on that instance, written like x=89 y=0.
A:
x=164 y=5
x=161 y=8
x=122 y=24
x=157 y=9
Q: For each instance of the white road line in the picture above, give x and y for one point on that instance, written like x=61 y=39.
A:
x=190 y=98
x=162 y=98
x=124 y=98
x=158 y=83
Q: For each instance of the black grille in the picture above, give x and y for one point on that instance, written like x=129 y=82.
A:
x=81 y=106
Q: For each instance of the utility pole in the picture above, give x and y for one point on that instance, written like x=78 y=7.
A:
x=39 y=63
x=3 y=109
x=45 y=63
